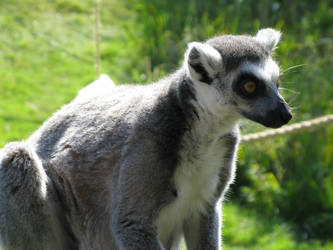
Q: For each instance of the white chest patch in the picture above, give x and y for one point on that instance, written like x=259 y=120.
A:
x=196 y=180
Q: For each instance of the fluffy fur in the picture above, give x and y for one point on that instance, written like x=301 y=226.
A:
x=140 y=167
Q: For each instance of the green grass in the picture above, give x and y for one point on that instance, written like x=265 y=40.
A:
x=46 y=56
x=245 y=230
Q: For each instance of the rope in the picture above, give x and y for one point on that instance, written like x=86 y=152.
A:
x=97 y=38
x=290 y=129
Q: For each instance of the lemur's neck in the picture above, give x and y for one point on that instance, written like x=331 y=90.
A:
x=206 y=117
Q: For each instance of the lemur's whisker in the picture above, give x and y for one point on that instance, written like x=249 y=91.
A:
x=293 y=67
x=289 y=90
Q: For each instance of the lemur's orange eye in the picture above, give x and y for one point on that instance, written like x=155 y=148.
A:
x=278 y=83
x=250 y=87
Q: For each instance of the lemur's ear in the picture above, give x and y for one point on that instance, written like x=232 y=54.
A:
x=202 y=61
x=269 y=38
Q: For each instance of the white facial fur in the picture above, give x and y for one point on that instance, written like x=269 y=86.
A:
x=202 y=57
x=266 y=70
x=210 y=59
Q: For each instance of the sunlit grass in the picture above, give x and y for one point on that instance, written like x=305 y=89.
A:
x=46 y=56
x=245 y=229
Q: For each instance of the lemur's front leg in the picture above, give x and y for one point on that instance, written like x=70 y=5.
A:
x=143 y=187
x=204 y=232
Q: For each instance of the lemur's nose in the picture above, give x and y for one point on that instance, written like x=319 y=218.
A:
x=285 y=114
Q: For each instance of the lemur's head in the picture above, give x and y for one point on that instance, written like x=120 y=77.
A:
x=238 y=72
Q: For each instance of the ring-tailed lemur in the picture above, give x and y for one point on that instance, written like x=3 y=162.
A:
x=140 y=167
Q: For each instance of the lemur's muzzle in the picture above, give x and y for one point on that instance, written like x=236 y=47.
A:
x=285 y=114
x=271 y=117
x=279 y=116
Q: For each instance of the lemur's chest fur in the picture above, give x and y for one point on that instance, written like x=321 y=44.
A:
x=196 y=180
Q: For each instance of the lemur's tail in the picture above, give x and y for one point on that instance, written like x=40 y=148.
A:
x=23 y=194
x=21 y=171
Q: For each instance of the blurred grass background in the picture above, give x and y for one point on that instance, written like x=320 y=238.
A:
x=283 y=195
